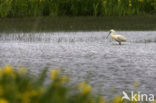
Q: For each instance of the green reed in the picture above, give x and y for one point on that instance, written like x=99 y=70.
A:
x=20 y=8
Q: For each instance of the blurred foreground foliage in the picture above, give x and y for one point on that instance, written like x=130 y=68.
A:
x=19 y=86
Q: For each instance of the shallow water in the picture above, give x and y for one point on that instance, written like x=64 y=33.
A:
x=109 y=66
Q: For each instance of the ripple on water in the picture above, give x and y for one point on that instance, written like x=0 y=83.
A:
x=109 y=65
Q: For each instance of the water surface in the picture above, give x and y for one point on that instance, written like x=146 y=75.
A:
x=110 y=66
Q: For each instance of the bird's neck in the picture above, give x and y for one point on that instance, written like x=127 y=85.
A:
x=112 y=34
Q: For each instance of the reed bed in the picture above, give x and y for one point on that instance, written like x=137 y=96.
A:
x=20 y=8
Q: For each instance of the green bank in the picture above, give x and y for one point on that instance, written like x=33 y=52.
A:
x=52 y=24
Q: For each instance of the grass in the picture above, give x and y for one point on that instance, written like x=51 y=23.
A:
x=50 y=24
x=18 y=86
x=23 y=8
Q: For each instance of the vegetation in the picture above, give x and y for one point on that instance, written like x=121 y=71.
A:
x=21 y=87
x=18 y=86
x=20 y=8
x=52 y=24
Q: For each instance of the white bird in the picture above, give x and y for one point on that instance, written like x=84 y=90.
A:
x=118 y=38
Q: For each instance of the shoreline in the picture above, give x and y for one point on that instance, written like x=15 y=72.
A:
x=69 y=24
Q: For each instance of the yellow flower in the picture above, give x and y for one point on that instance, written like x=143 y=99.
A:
x=84 y=88
x=8 y=70
x=3 y=100
x=130 y=3
x=117 y=99
x=54 y=73
x=136 y=83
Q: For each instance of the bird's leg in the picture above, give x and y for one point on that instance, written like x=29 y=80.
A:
x=119 y=43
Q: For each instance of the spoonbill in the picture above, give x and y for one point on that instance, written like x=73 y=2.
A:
x=118 y=38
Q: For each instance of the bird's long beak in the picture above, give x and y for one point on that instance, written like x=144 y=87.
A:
x=108 y=35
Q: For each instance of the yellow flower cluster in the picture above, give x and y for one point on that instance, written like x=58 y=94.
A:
x=130 y=3
x=54 y=74
x=117 y=99
x=26 y=90
x=84 y=88
x=3 y=100
x=7 y=70
x=27 y=95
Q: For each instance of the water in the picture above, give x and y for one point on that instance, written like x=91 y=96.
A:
x=110 y=67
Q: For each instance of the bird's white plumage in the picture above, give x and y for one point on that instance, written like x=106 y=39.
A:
x=121 y=38
x=118 y=38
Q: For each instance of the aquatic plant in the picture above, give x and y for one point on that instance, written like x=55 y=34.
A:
x=18 y=8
